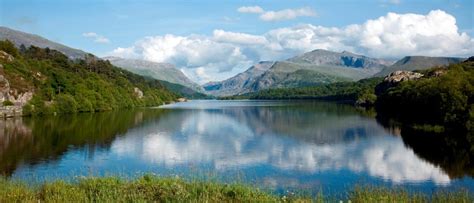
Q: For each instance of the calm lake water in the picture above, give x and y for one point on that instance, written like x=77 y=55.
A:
x=277 y=145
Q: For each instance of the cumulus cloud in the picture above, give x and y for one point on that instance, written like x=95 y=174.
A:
x=285 y=14
x=225 y=53
x=250 y=9
x=238 y=38
x=96 y=37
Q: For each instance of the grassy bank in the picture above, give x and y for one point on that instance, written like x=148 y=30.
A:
x=150 y=188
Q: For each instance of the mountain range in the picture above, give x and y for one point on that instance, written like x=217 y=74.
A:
x=308 y=69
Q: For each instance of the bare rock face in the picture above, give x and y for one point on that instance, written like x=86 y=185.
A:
x=4 y=88
x=399 y=76
x=138 y=92
x=393 y=79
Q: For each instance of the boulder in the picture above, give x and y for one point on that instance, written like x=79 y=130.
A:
x=5 y=57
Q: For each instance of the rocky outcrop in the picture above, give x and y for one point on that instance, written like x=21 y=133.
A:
x=11 y=100
x=395 y=78
x=138 y=93
x=399 y=76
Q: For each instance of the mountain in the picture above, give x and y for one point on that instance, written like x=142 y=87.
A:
x=239 y=84
x=309 y=69
x=345 y=59
x=160 y=71
x=411 y=63
x=19 y=38
x=173 y=78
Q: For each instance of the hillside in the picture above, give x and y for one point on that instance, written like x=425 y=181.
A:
x=239 y=84
x=312 y=68
x=45 y=81
x=19 y=38
x=411 y=63
x=173 y=78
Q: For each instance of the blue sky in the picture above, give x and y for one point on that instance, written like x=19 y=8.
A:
x=100 y=27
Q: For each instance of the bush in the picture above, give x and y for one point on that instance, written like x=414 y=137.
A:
x=66 y=104
x=8 y=103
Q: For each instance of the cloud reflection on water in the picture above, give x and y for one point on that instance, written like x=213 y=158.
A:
x=245 y=137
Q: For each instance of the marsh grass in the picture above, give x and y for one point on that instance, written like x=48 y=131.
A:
x=152 y=188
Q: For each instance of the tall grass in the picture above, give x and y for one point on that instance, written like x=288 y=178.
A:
x=151 y=188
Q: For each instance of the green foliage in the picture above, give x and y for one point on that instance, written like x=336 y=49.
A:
x=444 y=100
x=84 y=85
x=7 y=103
x=147 y=188
x=150 y=188
x=66 y=103
x=9 y=47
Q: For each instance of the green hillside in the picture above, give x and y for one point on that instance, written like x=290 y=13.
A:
x=84 y=85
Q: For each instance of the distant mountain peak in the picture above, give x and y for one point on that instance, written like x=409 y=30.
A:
x=345 y=58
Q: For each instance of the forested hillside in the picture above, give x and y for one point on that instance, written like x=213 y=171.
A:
x=61 y=85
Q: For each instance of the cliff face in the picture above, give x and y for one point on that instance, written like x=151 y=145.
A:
x=11 y=100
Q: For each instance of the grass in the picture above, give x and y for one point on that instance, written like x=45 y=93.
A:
x=150 y=188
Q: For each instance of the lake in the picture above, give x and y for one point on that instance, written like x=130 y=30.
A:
x=274 y=144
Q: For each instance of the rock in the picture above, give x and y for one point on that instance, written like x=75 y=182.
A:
x=399 y=76
x=394 y=79
x=4 y=56
x=138 y=92
x=182 y=100
x=4 y=89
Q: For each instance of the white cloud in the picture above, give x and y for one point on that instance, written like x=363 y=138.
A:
x=238 y=38
x=250 y=9
x=96 y=37
x=287 y=14
x=225 y=53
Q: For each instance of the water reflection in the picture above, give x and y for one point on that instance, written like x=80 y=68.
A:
x=247 y=137
x=281 y=142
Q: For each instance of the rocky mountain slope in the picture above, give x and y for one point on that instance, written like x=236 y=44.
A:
x=311 y=68
x=161 y=71
x=19 y=38
x=411 y=63
x=241 y=83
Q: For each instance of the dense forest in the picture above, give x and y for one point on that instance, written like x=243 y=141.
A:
x=443 y=97
x=61 y=85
